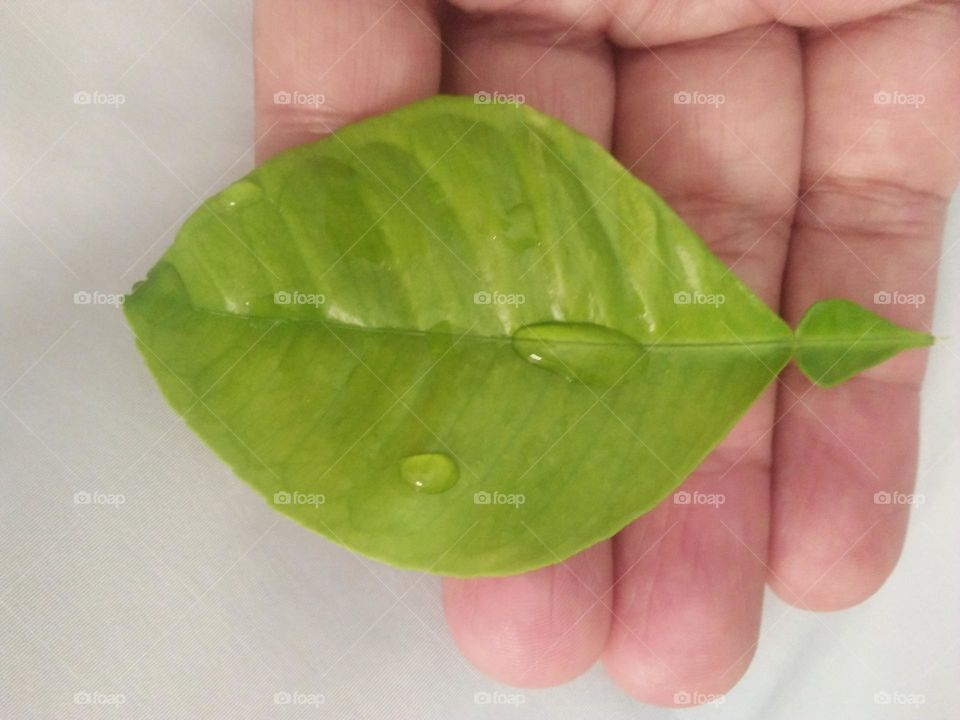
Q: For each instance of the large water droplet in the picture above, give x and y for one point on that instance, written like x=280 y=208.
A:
x=429 y=472
x=591 y=354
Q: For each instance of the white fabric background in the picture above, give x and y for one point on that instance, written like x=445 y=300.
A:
x=195 y=600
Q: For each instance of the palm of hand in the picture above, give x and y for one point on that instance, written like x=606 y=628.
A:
x=815 y=155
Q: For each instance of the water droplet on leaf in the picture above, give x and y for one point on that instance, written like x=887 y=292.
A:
x=240 y=193
x=521 y=229
x=429 y=472
x=591 y=354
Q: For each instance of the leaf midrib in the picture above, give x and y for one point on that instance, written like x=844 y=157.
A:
x=793 y=342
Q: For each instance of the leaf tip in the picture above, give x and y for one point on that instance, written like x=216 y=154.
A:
x=837 y=339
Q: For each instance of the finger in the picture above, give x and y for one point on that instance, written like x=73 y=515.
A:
x=878 y=171
x=322 y=65
x=565 y=71
x=547 y=626
x=649 y=23
x=689 y=578
x=535 y=629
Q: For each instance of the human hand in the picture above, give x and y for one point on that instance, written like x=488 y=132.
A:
x=815 y=155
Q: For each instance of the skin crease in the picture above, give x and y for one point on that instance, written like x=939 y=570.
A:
x=799 y=181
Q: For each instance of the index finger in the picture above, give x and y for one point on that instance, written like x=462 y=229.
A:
x=322 y=65
x=881 y=160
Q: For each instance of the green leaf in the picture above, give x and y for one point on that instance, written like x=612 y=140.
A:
x=836 y=339
x=458 y=337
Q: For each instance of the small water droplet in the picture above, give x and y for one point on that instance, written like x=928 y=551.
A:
x=521 y=228
x=240 y=193
x=591 y=354
x=429 y=472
